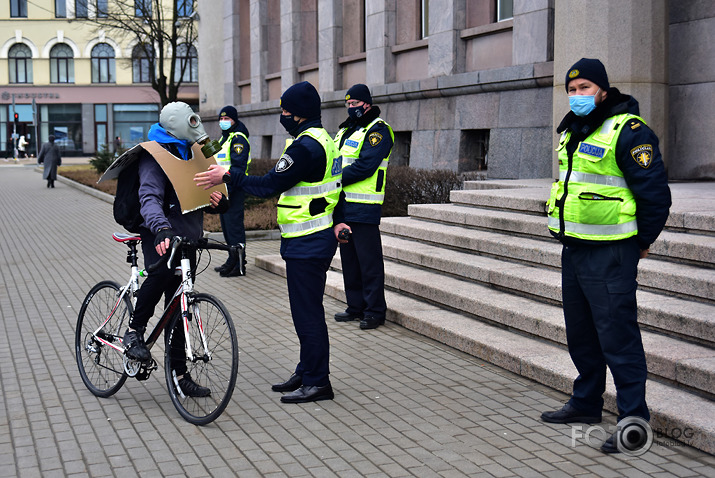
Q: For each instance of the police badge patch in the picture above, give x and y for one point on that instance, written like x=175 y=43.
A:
x=643 y=155
x=284 y=163
x=238 y=148
x=374 y=139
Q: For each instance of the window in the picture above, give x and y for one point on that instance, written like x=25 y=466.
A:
x=505 y=10
x=142 y=8
x=65 y=123
x=103 y=63
x=185 y=8
x=187 y=64
x=61 y=64
x=18 y=8
x=20 y=63
x=102 y=8
x=60 y=8
x=80 y=9
x=142 y=61
x=132 y=122
x=424 y=13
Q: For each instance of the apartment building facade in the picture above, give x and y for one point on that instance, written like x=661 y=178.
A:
x=468 y=85
x=64 y=75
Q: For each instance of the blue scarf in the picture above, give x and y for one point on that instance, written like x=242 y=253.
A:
x=160 y=135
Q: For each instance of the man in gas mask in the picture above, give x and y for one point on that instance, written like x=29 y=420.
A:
x=178 y=128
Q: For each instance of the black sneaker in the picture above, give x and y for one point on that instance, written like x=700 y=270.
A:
x=569 y=414
x=191 y=388
x=134 y=346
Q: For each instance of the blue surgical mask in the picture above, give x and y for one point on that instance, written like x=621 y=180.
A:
x=582 y=105
x=224 y=125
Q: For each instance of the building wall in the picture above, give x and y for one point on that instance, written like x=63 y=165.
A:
x=40 y=31
x=474 y=92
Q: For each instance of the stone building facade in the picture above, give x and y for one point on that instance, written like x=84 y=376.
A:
x=468 y=85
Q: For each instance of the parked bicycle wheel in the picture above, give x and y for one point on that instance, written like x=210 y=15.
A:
x=100 y=365
x=214 y=364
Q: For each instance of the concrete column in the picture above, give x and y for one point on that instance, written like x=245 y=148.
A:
x=446 y=49
x=290 y=42
x=330 y=44
x=259 y=90
x=631 y=39
x=231 y=52
x=211 y=79
x=533 y=34
x=379 y=37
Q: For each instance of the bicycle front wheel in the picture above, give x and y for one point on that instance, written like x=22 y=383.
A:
x=213 y=362
x=101 y=366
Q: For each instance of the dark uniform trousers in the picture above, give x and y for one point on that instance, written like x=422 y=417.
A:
x=599 y=297
x=162 y=282
x=232 y=225
x=364 y=271
x=306 y=287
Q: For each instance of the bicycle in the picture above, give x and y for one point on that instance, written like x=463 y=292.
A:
x=208 y=332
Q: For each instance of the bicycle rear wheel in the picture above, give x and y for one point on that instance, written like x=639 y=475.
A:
x=213 y=364
x=100 y=365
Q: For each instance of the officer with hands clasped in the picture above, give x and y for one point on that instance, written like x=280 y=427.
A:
x=365 y=141
x=307 y=177
x=234 y=157
x=178 y=128
x=609 y=205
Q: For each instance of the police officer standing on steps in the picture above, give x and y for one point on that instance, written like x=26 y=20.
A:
x=365 y=141
x=307 y=177
x=609 y=205
x=234 y=157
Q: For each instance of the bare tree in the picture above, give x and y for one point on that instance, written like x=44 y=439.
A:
x=163 y=31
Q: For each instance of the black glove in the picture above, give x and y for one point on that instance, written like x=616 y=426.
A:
x=223 y=205
x=165 y=233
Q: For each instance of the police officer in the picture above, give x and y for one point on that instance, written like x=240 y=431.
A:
x=307 y=177
x=365 y=141
x=609 y=205
x=234 y=157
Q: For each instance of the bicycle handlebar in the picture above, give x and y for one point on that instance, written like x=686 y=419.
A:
x=178 y=242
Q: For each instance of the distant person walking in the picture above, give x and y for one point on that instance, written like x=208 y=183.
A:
x=21 y=145
x=50 y=157
x=118 y=144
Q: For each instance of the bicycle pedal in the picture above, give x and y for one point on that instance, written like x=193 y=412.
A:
x=145 y=370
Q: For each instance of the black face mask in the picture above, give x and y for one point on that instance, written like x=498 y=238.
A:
x=356 y=112
x=289 y=123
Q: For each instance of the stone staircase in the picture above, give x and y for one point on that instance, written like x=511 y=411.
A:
x=482 y=275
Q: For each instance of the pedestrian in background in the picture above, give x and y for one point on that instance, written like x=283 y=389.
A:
x=609 y=205
x=50 y=157
x=365 y=141
x=21 y=146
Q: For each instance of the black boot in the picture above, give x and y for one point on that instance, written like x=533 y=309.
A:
x=223 y=266
x=236 y=266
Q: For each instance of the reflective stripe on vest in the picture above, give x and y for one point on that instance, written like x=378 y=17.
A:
x=367 y=191
x=597 y=229
x=578 y=177
x=294 y=217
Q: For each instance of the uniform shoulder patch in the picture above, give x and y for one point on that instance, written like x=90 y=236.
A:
x=643 y=155
x=284 y=163
x=238 y=148
x=374 y=139
x=635 y=124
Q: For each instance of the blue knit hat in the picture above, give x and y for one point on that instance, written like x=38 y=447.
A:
x=302 y=99
x=359 y=92
x=589 y=69
x=228 y=111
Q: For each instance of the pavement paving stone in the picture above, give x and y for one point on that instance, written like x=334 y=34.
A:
x=405 y=405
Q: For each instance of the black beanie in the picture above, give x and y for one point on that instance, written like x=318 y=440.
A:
x=359 y=92
x=302 y=99
x=229 y=111
x=589 y=69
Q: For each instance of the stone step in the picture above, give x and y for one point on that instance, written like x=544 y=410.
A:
x=671 y=408
x=687 y=364
x=697 y=249
x=680 y=279
x=692 y=320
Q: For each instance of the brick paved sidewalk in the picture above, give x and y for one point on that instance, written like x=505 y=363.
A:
x=404 y=405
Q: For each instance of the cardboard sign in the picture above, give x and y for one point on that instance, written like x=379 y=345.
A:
x=180 y=173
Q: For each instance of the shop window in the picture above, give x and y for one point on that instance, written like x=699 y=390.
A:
x=18 y=8
x=187 y=64
x=142 y=62
x=20 y=63
x=132 y=122
x=61 y=64
x=65 y=123
x=103 y=63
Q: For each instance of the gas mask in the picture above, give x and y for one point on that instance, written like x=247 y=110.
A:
x=180 y=121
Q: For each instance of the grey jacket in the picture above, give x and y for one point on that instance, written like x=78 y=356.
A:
x=50 y=156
